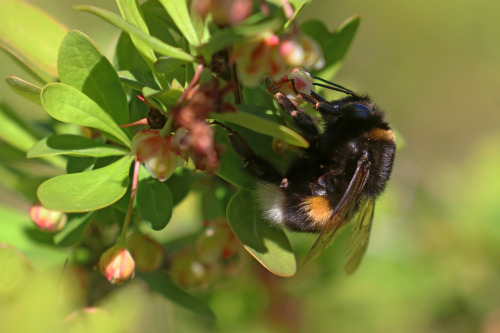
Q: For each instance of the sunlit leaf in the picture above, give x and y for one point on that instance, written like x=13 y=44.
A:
x=153 y=42
x=86 y=191
x=82 y=66
x=32 y=37
x=70 y=105
x=178 y=11
x=262 y=125
x=18 y=134
x=73 y=145
x=24 y=88
x=266 y=243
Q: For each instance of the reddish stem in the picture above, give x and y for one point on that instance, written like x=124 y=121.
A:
x=193 y=82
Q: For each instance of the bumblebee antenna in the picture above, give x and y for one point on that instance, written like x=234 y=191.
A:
x=333 y=86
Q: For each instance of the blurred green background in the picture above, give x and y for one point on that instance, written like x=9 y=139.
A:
x=433 y=264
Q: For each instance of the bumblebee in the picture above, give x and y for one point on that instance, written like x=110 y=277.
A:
x=336 y=179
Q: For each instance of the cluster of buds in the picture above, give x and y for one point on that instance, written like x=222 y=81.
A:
x=270 y=55
x=47 y=220
x=213 y=255
x=194 y=137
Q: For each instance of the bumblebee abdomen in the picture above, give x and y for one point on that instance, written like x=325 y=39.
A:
x=293 y=210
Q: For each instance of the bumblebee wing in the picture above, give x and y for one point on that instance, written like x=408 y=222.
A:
x=360 y=235
x=341 y=213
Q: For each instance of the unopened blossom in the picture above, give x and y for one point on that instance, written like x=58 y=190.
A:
x=147 y=252
x=258 y=58
x=47 y=220
x=117 y=265
x=157 y=154
x=300 y=50
x=224 y=12
x=297 y=81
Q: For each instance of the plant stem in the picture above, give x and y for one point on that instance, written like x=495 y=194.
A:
x=128 y=217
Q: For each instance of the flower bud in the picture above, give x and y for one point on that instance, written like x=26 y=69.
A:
x=148 y=254
x=298 y=81
x=224 y=12
x=259 y=58
x=216 y=242
x=47 y=220
x=117 y=264
x=156 y=153
x=300 y=50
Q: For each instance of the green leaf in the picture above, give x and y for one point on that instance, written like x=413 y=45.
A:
x=168 y=64
x=154 y=202
x=128 y=59
x=262 y=125
x=180 y=184
x=70 y=105
x=153 y=42
x=74 y=229
x=14 y=130
x=73 y=145
x=32 y=37
x=82 y=66
x=24 y=88
x=178 y=11
x=268 y=244
x=334 y=45
x=231 y=164
x=86 y=191
x=162 y=283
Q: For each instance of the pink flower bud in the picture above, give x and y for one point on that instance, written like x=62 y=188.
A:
x=298 y=81
x=156 y=153
x=300 y=50
x=147 y=252
x=117 y=264
x=47 y=220
x=224 y=12
x=259 y=58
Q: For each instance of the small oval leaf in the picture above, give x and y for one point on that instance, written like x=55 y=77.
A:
x=74 y=229
x=24 y=88
x=268 y=244
x=82 y=66
x=86 y=191
x=154 y=202
x=70 y=105
x=263 y=126
x=73 y=145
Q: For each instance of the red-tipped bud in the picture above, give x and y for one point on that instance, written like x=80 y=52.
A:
x=117 y=265
x=224 y=12
x=156 y=153
x=148 y=254
x=47 y=220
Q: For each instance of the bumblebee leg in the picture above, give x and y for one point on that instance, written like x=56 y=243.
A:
x=256 y=165
x=300 y=118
